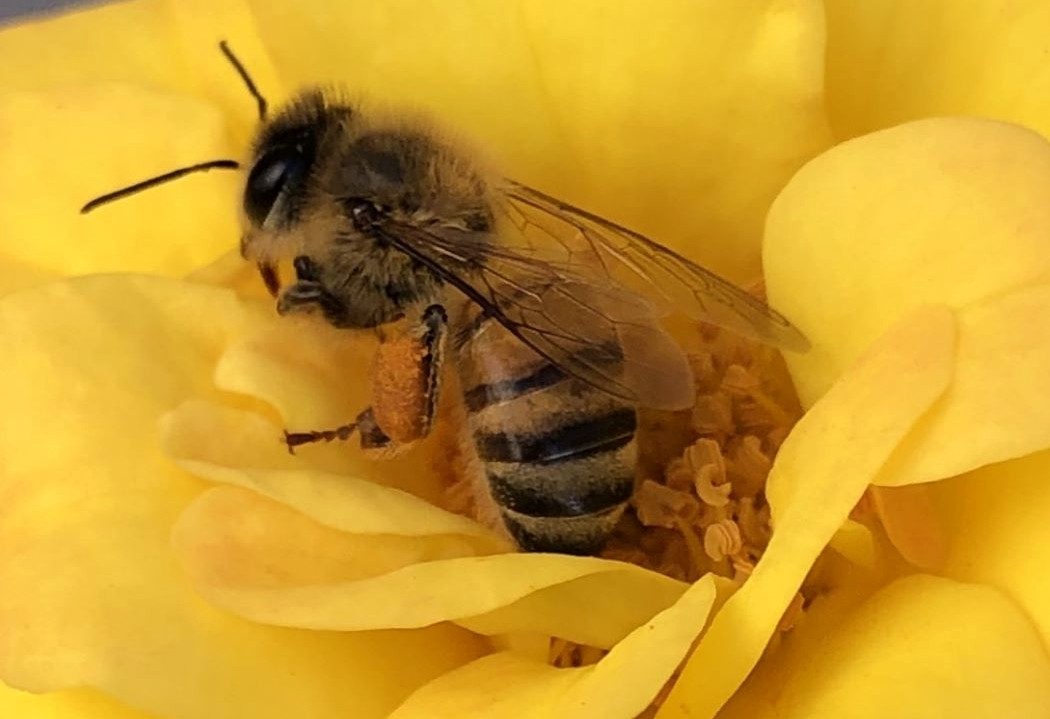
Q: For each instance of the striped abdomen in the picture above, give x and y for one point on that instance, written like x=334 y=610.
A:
x=559 y=455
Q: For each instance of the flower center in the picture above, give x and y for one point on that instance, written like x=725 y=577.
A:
x=700 y=504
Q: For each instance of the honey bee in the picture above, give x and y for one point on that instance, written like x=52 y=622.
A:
x=550 y=314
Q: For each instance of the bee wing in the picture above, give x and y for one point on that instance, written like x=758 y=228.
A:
x=620 y=253
x=591 y=328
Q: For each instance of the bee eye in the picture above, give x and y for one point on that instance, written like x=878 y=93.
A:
x=278 y=171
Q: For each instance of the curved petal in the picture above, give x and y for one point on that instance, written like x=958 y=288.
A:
x=995 y=400
x=890 y=61
x=303 y=374
x=924 y=646
x=407 y=581
x=909 y=518
x=995 y=524
x=394 y=547
x=950 y=211
x=954 y=211
x=253 y=457
x=312 y=375
x=663 y=128
x=621 y=684
x=71 y=704
x=838 y=447
x=92 y=594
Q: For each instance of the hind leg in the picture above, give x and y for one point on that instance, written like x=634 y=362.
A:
x=405 y=388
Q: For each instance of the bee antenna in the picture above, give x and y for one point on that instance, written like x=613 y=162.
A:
x=259 y=99
x=158 y=180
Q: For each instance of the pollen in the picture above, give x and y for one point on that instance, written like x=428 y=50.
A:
x=399 y=389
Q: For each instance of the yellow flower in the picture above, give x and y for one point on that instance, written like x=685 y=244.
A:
x=161 y=555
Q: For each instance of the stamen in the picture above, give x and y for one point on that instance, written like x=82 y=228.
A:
x=714 y=488
x=722 y=539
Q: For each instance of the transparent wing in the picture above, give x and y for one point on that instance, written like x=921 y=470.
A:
x=585 y=240
x=591 y=328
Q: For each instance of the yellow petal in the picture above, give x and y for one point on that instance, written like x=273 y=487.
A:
x=92 y=594
x=821 y=471
x=16 y=275
x=168 y=45
x=953 y=211
x=583 y=599
x=123 y=93
x=264 y=543
x=995 y=520
x=854 y=541
x=316 y=377
x=923 y=647
x=197 y=26
x=910 y=519
x=92 y=46
x=375 y=530
x=890 y=61
x=64 y=147
x=666 y=128
x=242 y=448
x=995 y=400
x=622 y=684
x=72 y=704
x=948 y=211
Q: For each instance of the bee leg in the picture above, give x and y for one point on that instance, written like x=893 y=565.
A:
x=429 y=336
x=372 y=437
x=297 y=439
x=376 y=443
x=405 y=392
x=307 y=295
x=405 y=384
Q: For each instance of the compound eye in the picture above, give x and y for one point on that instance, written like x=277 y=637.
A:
x=278 y=171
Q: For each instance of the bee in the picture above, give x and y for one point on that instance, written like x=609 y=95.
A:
x=549 y=313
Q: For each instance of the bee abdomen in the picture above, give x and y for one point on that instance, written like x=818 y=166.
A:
x=578 y=440
x=572 y=503
x=558 y=454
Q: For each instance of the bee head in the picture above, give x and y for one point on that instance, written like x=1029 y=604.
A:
x=278 y=178
x=281 y=185
x=284 y=156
